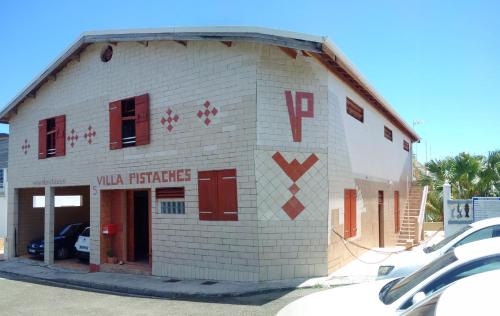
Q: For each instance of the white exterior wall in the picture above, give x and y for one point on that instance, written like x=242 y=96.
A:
x=3 y=206
x=176 y=77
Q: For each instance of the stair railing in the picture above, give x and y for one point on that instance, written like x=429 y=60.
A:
x=421 y=214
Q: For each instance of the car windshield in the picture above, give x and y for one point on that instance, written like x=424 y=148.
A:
x=443 y=242
x=69 y=230
x=397 y=288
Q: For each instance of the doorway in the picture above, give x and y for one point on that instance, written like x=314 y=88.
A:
x=381 y=219
x=138 y=226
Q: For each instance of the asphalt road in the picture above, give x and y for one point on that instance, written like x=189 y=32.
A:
x=21 y=297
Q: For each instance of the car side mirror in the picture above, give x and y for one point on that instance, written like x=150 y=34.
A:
x=417 y=298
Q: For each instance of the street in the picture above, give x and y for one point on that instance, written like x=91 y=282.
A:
x=20 y=297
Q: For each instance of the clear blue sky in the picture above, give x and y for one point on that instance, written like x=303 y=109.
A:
x=436 y=61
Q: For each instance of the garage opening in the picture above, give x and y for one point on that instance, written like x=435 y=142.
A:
x=71 y=218
x=30 y=226
x=126 y=231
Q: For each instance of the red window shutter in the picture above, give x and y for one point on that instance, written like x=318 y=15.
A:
x=60 y=135
x=347 y=213
x=207 y=195
x=115 y=125
x=142 y=120
x=354 y=228
x=227 y=195
x=42 y=139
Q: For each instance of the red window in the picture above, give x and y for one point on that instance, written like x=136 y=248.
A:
x=397 y=214
x=406 y=145
x=129 y=122
x=52 y=137
x=388 y=133
x=355 y=110
x=350 y=229
x=217 y=195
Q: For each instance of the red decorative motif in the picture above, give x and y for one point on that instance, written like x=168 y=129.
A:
x=73 y=138
x=294 y=170
x=89 y=134
x=296 y=113
x=170 y=120
x=25 y=147
x=204 y=114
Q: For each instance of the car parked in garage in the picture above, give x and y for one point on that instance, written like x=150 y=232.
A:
x=64 y=242
x=409 y=261
x=395 y=296
x=82 y=245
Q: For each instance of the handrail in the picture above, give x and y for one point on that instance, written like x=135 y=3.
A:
x=421 y=214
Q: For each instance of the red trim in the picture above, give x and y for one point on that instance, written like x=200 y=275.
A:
x=142 y=120
x=42 y=139
x=60 y=135
x=295 y=170
x=115 y=125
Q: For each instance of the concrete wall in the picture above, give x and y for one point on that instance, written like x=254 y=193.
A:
x=31 y=220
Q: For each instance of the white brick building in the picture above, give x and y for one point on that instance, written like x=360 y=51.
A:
x=215 y=153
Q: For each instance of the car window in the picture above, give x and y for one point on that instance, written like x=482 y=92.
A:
x=462 y=271
x=402 y=286
x=485 y=233
x=86 y=232
x=70 y=230
x=446 y=240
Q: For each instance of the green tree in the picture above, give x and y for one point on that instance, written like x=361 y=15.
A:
x=469 y=176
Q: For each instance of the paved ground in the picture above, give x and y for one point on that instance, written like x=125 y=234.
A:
x=24 y=298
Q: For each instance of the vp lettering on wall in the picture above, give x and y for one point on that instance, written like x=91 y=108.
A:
x=296 y=111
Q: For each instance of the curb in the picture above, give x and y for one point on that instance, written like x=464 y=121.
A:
x=117 y=289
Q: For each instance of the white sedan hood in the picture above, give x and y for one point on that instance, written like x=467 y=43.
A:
x=359 y=299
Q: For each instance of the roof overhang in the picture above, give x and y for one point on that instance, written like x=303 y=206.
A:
x=317 y=47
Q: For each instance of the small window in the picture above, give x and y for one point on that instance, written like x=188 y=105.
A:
x=388 y=133
x=406 y=145
x=129 y=122
x=51 y=137
x=355 y=110
x=106 y=53
x=59 y=201
x=171 y=200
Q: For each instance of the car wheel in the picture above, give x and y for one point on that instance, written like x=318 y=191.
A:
x=62 y=253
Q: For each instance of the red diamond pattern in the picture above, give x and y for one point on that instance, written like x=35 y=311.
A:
x=89 y=134
x=170 y=120
x=207 y=112
x=293 y=207
x=294 y=189
x=25 y=147
x=73 y=138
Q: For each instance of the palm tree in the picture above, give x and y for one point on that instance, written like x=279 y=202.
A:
x=469 y=176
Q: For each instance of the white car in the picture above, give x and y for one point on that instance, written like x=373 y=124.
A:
x=474 y=295
x=389 y=297
x=82 y=245
x=409 y=261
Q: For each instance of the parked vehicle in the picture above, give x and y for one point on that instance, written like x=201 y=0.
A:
x=63 y=242
x=82 y=245
x=394 y=296
x=474 y=295
x=409 y=261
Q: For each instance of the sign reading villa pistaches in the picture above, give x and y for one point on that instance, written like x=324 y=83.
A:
x=147 y=177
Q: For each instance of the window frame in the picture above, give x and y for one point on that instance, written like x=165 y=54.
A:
x=406 y=146
x=388 y=134
x=175 y=196
x=140 y=116
x=354 y=110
